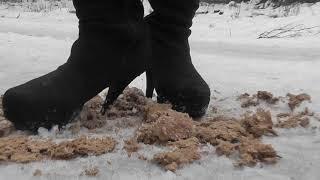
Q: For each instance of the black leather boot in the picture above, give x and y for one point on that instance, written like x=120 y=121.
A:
x=110 y=52
x=172 y=72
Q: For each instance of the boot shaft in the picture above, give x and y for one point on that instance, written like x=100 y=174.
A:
x=118 y=21
x=109 y=11
x=171 y=21
x=179 y=12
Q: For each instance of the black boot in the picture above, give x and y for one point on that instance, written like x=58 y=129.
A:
x=108 y=53
x=172 y=72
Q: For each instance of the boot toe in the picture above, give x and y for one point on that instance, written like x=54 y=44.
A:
x=28 y=110
x=198 y=105
x=193 y=100
x=196 y=102
x=14 y=107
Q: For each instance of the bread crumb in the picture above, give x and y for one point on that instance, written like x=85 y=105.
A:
x=283 y=115
x=131 y=146
x=92 y=172
x=6 y=127
x=225 y=148
x=296 y=100
x=155 y=110
x=90 y=116
x=253 y=151
x=185 y=152
x=168 y=126
x=215 y=131
x=254 y=100
x=259 y=124
x=131 y=102
x=141 y=157
x=293 y=122
x=267 y=97
x=22 y=149
x=37 y=172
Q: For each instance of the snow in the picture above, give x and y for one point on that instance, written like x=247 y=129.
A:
x=226 y=52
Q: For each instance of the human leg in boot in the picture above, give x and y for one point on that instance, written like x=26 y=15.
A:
x=108 y=53
x=172 y=73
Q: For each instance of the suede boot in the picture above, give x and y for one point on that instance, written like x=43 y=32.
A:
x=110 y=52
x=172 y=73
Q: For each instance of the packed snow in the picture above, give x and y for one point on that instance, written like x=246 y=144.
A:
x=232 y=59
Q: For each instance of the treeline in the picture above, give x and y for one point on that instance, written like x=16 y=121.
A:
x=19 y=1
x=278 y=2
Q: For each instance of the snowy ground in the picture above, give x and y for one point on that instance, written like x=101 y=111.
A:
x=226 y=52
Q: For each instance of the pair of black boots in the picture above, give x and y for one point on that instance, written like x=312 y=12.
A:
x=115 y=45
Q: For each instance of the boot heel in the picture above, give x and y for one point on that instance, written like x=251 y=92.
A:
x=150 y=84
